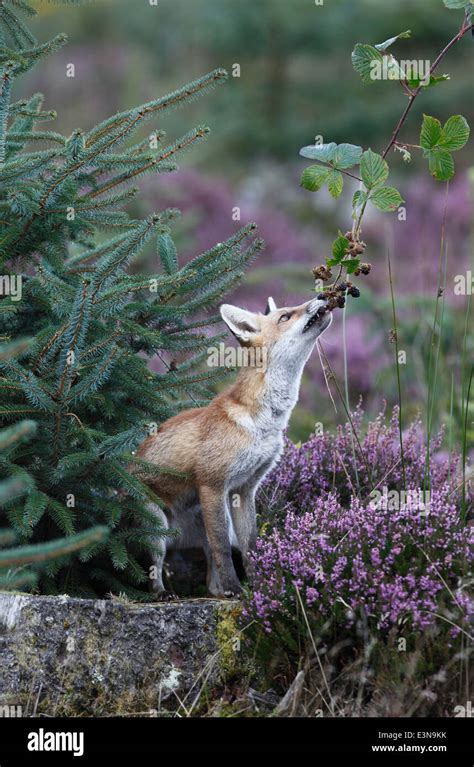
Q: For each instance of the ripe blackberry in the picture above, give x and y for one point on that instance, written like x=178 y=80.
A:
x=354 y=292
x=342 y=287
x=341 y=302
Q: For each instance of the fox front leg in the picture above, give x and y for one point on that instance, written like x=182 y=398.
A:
x=244 y=521
x=214 y=511
x=242 y=504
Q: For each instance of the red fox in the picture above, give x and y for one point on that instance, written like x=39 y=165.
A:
x=226 y=449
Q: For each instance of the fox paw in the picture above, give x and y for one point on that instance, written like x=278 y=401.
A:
x=166 y=596
x=233 y=593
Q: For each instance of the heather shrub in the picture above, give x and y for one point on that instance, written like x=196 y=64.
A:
x=353 y=466
x=339 y=565
x=402 y=568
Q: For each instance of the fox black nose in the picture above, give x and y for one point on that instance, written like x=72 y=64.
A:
x=318 y=305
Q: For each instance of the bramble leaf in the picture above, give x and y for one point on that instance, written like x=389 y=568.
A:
x=346 y=156
x=373 y=169
x=455 y=133
x=339 y=248
x=322 y=152
x=363 y=58
x=359 y=198
x=415 y=82
x=441 y=164
x=430 y=132
x=386 y=198
x=335 y=183
x=314 y=177
x=438 y=143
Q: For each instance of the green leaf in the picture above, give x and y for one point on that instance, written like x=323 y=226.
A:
x=373 y=169
x=335 y=183
x=386 y=198
x=340 y=156
x=359 y=198
x=322 y=152
x=458 y=4
x=455 y=133
x=415 y=82
x=441 y=164
x=430 y=132
x=363 y=58
x=438 y=142
x=346 y=155
x=387 y=43
x=351 y=265
x=314 y=177
x=339 y=248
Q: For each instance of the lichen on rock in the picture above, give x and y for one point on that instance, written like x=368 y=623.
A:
x=71 y=657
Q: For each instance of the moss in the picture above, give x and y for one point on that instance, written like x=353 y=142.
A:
x=229 y=637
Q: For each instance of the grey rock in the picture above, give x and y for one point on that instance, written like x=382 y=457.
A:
x=66 y=656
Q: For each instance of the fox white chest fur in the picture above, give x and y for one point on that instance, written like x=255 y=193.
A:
x=266 y=427
x=225 y=449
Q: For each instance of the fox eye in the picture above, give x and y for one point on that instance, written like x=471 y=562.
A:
x=284 y=318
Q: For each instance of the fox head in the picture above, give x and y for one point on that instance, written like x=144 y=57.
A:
x=286 y=334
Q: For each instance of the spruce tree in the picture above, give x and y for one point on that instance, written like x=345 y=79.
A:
x=79 y=397
x=16 y=563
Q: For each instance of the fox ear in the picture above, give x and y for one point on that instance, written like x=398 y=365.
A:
x=242 y=323
x=271 y=305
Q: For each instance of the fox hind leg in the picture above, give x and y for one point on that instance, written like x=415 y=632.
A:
x=158 y=553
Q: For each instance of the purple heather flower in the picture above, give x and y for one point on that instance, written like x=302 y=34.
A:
x=323 y=537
